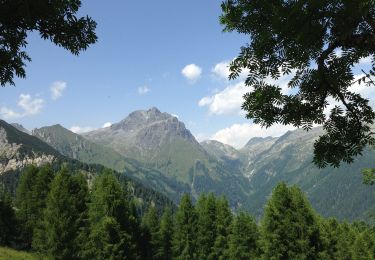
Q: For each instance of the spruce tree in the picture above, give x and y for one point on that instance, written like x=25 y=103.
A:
x=346 y=241
x=243 y=240
x=361 y=250
x=206 y=225
x=65 y=217
x=40 y=192
x=223 y=222
x=289 y=226
x=185 y=233
x=150 y=227
x=330 y=235
x=8 y=222
x=26 y=204
x=111 y=222
x=164 y=249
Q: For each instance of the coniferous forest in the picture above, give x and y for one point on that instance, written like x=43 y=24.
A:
x=60 y=215
x=95 y=186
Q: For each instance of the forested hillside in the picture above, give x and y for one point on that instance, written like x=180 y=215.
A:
x=20 y=150
x=71 y=220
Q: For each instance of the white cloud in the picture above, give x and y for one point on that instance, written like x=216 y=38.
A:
x=201 y=137
x=192 y=72
x=228 y=101
x=367 y=92
x=238 y=135
x=8 y=113
x=176 y=116
x=143 y=90
x=57 y=89
x=28 y=104
x=108 y=124
x=221 y=70
x=81 y=129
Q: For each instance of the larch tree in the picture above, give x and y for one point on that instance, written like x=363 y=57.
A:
x=243 y=238
x=110 y=220
x=65 y=217
x=289 y=226
x=185 y=232
x=164 y=249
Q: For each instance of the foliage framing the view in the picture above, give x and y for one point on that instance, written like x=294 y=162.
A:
x=303 y=39
x=54 y=20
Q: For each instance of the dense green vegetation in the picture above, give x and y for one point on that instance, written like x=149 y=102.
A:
x=8 y=253
x=58 y=215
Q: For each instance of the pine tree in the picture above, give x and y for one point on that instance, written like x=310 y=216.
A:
x=65 y=217
x=243 y=240
x=111 y=222
x=150 y=227
x=346 y=241
x=289 y=226
x=26 y=204
x=164 y=250
x=185 y=233
x=223 y=222
x=40 y=190
x=361 y=251
x=330 y=235
x=206 y=210
x=8 y=222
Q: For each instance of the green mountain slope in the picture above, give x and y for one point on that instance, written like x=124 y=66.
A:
x=160 y=141
x=18 y=149
x=75 y=146
x=157 y=150
x=335 y=192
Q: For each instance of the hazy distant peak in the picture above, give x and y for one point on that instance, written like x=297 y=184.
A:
x=216 y=143
x=257 y=140
x=20 y=128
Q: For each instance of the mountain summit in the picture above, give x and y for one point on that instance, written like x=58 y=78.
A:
x=160 y=141
x=142 y=133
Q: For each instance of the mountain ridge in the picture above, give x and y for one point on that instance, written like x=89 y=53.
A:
x=166 y=157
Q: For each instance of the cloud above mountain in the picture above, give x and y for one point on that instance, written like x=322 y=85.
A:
x=238 y=135
x=226 y=102
x=81 y=129
x=28 y=106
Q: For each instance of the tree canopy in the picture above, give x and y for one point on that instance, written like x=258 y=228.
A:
x=317 y=44
x=55 y=20
x=70 y=219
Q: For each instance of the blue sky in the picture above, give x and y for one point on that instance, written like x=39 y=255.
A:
x=168 y=54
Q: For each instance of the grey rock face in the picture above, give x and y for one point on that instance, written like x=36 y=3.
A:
x=142 y=131
x=21 y=128
x=12 y=158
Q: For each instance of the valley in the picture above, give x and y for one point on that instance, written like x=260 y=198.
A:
x=156 y=149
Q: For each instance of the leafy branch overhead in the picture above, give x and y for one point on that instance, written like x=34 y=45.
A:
x=317 y=43
x=55 y=20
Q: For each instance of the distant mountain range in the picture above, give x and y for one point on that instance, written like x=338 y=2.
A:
x=19 y=149
x=157 y=150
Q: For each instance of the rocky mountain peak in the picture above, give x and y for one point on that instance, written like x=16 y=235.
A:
x=21 y=128
x=257 y=140
x=141 y=118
